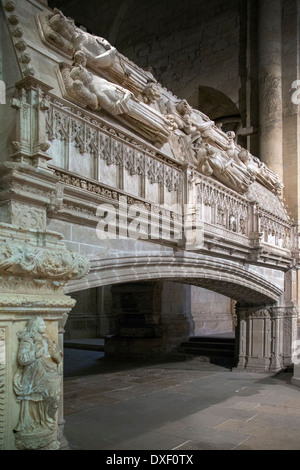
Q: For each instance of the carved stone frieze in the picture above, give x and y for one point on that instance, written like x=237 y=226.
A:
x=35 y=301
x=29 y=217
x=263 y=313
x=21 y=259
x=107 y=194
x=24 y=285
x=100 y=77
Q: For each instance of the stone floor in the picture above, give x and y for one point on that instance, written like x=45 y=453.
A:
x=182 y=406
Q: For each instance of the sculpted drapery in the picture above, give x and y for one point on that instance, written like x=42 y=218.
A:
x=37 y=380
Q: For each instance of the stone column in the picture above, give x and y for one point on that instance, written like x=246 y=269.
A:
x=265 y=335
x=270 y=85
x=34 y=268
x=105 y=319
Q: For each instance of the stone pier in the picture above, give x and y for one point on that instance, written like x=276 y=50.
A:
x=270 y=84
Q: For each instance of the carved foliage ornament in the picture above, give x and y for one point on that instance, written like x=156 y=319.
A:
x=25 y=260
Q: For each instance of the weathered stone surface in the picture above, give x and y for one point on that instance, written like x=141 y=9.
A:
x=151 y=190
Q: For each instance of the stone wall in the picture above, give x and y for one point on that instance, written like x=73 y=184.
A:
x=104 y=310
x=212 y=313
x=83 y=320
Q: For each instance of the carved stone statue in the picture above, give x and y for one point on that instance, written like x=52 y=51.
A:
x=121 y=88
x=58 y=30
x=262 y=173
x=217 y=163
x=196 y=127
x=99 y=53
x=107 y=95
x=181 y=112
x=151 y=93
x=102 y=58
x=37 y=386
x=98 y=93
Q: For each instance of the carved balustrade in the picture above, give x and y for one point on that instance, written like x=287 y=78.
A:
x=92 y=154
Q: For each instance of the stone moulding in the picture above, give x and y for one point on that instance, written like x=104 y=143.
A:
x=35 y=302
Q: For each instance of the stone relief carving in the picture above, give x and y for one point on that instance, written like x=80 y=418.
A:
x=98 y=93
x=58 y=30
x=37 y=387
x=20 y=259
x=29 y=217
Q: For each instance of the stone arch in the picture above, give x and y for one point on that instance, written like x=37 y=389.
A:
x=258 y=315
x=221 y=276
x=218 y=106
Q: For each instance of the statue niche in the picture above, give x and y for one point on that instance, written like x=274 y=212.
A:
x=37 y=387
x=97 y=93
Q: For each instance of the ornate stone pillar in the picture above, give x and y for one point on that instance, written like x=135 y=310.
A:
x=270 y=84
x=34 y=268
x=265 y=335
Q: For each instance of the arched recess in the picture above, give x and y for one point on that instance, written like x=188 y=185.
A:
x=259 y=319
x=218 y=106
